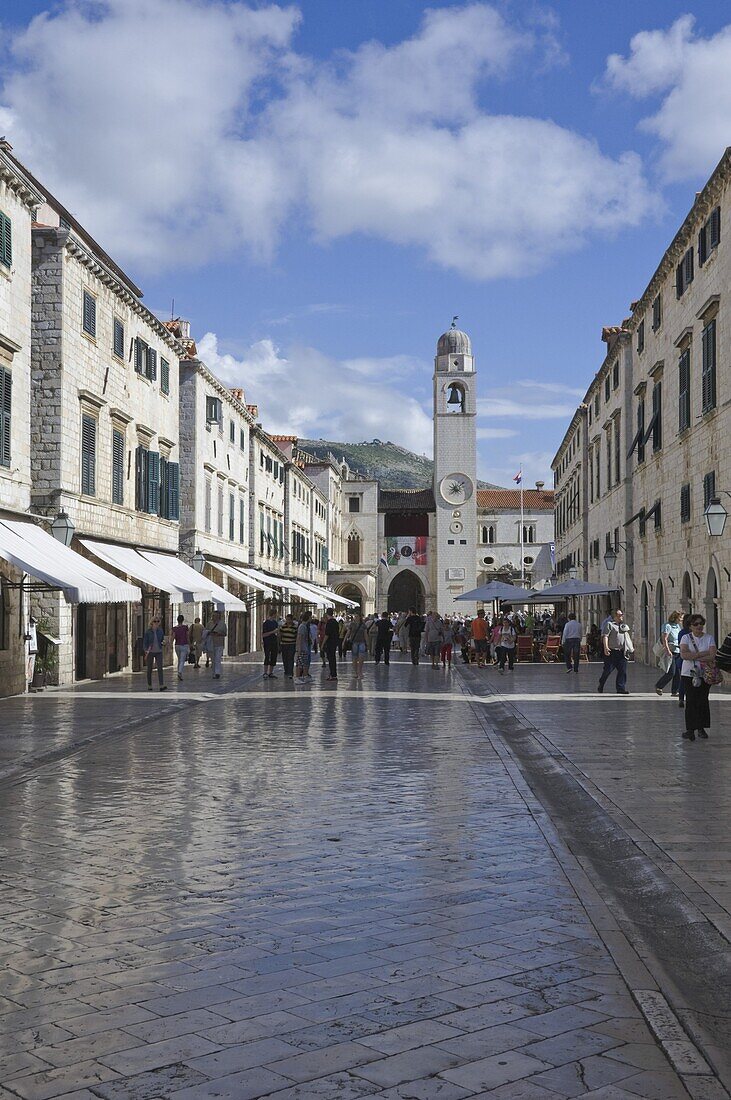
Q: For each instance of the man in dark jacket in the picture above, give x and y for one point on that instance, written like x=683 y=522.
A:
x=332 y=642
x=384 y=634
x=414 y=626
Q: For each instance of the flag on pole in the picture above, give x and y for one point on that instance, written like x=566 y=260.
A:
x=519 y=476
x=384 y=562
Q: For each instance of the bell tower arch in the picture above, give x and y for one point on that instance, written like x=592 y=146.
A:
x=455 y=468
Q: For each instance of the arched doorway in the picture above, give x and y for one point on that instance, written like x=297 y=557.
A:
x=686 y=597
x=644 y=612
x=711 y=615
x=406 y=591
x=351 y=592
x=660 y=615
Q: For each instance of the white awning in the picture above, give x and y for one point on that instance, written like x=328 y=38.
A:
x=185 y=577
x=129 y=561
x=293 y=587
x=328 y=595
x=43 y=557
x=242 y=576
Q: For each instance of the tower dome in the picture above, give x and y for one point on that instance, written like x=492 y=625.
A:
x=454 y=342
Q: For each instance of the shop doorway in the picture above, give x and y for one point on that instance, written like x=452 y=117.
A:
x=406 y=591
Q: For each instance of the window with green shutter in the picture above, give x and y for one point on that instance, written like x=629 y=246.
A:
x=89 y=314
x=685 y=504
x=151 y=364
x=231 y=517
x=6 y=241
x=173 y=490
x=153 y=483
x=164 y=488
x=709 y=488
x=117 y=467
x=141 y=463
x=684 y=391
x=164 y=376
x=140 y=355
x=6 y=406
x=708 y=379
x=88 y=455
x=118 y=339
x=242 y=520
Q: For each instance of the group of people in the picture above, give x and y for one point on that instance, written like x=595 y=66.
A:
x=191 y=644
x=333 y=637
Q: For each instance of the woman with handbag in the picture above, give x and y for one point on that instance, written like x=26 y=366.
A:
x=698 y=673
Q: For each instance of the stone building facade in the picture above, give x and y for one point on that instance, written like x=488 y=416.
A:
x=648 y=447
x=104 y=429
x=19 y=198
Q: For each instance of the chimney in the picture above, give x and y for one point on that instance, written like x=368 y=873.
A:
x=539 y=486
x=238 y=393
x=184 y=329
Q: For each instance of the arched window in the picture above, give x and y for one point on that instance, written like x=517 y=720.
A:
x=644 y=611
x=354 y=548
x=487 y=534
x=529 y=532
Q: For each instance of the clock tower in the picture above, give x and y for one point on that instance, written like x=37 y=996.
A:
x=455 y=470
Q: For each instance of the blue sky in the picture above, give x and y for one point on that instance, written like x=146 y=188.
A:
x=321 y=186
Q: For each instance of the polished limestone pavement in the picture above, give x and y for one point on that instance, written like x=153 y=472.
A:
x=243 y=889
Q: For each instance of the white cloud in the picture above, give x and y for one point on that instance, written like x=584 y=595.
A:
x=692 y=76
x=311 y=395
x=206 y=133
x=550 y=387
x=522 y=410
x=495 y=433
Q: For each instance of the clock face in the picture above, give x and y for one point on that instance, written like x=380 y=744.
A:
x=456 y=488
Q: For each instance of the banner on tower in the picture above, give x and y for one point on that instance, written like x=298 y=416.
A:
x=403 y=550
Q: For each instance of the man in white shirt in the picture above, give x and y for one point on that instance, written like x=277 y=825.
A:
x=617 y=646
x=571 y=642
x=31 y=650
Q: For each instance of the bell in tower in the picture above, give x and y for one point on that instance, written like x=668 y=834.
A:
x=455 y=399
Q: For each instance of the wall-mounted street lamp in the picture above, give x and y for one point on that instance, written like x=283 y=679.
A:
x=198 y=561
x=62 y=529
x=610 y=555
x=716 y=515
x=573 y=572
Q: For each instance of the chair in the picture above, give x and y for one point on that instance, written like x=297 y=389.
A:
x=551 y=648
x=584 y=652
x=525 y=647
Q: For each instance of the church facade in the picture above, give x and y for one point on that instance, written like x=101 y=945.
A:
x=424 y=547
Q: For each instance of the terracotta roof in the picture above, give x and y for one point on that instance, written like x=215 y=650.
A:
x=534 y=500
x=284 y=438
x=406 y=500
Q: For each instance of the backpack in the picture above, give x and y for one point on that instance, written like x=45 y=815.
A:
x=723 y=655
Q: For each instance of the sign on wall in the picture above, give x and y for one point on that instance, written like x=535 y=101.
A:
x=402 y=550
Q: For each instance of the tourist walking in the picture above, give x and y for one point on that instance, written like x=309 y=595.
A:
x=506 y=642
x=372 y=634
x=152 y=648
x=217 y=632
x=384 y=634
x=269 y=636
x=31 y=652
x=699 y=673
x=684 y=629
x=571 y=642
x=342 y=630
x=433 y=636
x=182 y=644
x=670 y=641
x=480 y=629
x=303 y=651
x=195 y=640
x=447 y=643
x=617 y=646
x=414 y=627
x=287 y=640
x=332 y=642
x=357 y=637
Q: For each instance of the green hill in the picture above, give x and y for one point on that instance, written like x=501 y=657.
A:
x=393 y=466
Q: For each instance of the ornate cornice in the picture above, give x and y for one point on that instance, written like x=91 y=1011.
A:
x=19 y=184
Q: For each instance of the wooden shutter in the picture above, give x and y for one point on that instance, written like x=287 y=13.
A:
x=656 y=423
x=117 y=467
x=164 y=376
x=684 y=391
x=708 y=378
x=118 y=341
x=703 y=245
x=141 y=455
x=164 y=488
x=153 y=483
x=6 y=404
x=684 y=503
x=688 y=267
x=88 y=455
x=6 y=241
x=89 y=311
x=709 y=488
x=714 y=226
x=173 y=490
x=231 y=516
x=151 y=365
x=679 y=288
x=139 y=355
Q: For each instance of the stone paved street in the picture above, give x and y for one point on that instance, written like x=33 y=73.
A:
x=343 y=892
